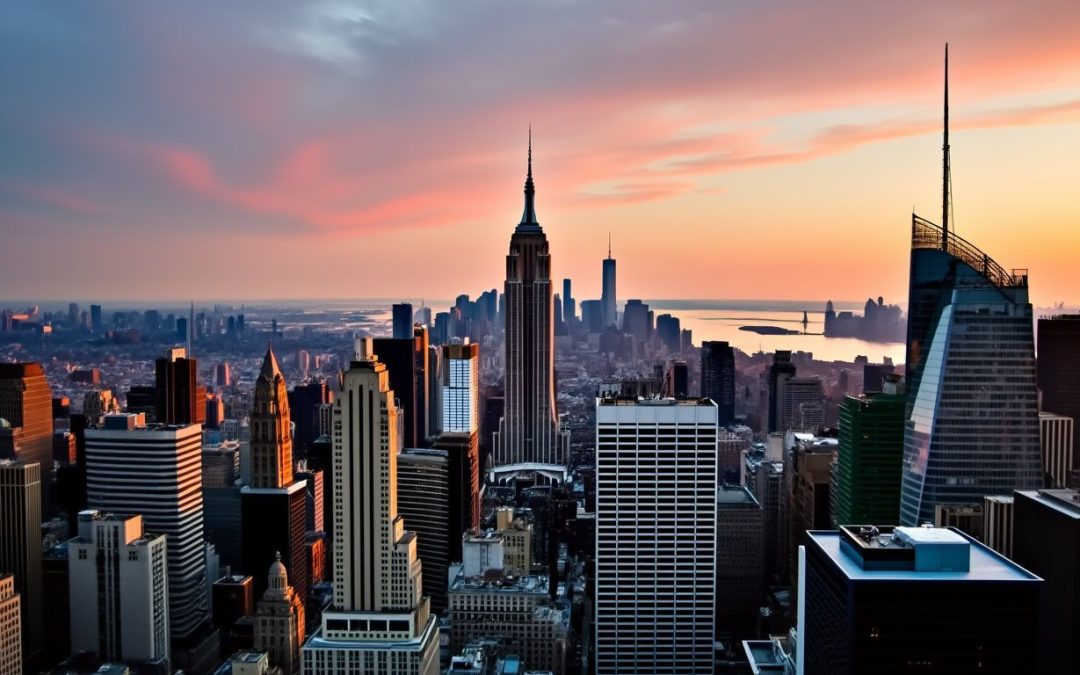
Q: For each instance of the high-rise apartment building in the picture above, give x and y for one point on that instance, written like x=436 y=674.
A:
x=655 y=535
x=608 y=302
x=274 y=507
x=20 y=544
x=461 y=388
x=1056 y=440
x=529 y=432
x=11 y=655
x=279 y=620
x=379 y=620
x=718 y=378
x=1046 y=540
x=26 y=405
x=869 y=457
x=118 y=578
x=887 y=600
x=781 y=370
x=156 y=471
x=180 y=398
x=1058 y=370
x=402 y=316
x=973 y=418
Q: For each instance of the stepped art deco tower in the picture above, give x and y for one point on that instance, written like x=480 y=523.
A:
x=380 y=621
x=972 y=420
x=529 y=439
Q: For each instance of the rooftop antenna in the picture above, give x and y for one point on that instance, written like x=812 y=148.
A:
x=946 y=171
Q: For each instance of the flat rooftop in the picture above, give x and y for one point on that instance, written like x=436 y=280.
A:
x=735 y=494
x=1065 y=501
x=637 y=400
x=984 y=564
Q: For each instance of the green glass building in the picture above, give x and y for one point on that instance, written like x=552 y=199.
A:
x=870 y=458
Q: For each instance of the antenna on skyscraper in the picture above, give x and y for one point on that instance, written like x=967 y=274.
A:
x=946 y=172
x=609 y=245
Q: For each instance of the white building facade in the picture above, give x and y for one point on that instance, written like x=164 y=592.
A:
x=379 y=622
x=118 y=589
x=655 y=535
x=461 y=388
x=156 y=471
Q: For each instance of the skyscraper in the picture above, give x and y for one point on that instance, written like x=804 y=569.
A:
x=1046 y=540
x=529 y=433
x=156 y=471
x=569 y=305
x=279 y=620
x=423 y=479
x=1059 y=370
x=655 y=535
x=636 y=322
x=718 y=378
x=118 y=580
x=781 y=370
x=608 y=301
x=403 y=321
x=1056 y=439
x=274 y=507
x=180 y=399
x=379 y=621
x=26 y=405
x=20 y=543
x=304 y=403
x=11 y=660
x=96 y=324
x=740 y=550
x=972 y=415
x=869 y=457
x=461 y=388
x=401 y=360
x=889 y=600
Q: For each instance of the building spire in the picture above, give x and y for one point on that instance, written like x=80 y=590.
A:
x=946 y=171
x=528 y=217
x=609 y=245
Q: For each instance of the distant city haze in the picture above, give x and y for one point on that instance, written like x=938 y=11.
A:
x=731 y=149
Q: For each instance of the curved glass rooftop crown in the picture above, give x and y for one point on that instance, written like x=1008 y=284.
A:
x=927 y=235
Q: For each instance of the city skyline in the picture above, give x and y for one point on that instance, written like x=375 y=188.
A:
x=289 y=124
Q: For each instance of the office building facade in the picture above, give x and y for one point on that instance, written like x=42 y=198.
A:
x=379 y=620
x=119 y=585
x=655 y=535
x=1046 y=541
x=718 y=378
x=1056 y=440
x=869 y=457
x=460 y=399
x=423 y=480
x=180 y=398
x=11 y=655
x=20 y=544
x=156 y=471
x=740 y=551
x=1058 y=370
x=885 y=600
x=26 y=405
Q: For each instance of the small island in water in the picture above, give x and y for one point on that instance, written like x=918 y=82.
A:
x=770 y=330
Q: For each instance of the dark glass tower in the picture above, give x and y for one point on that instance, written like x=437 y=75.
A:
x=1058 y=370
x=529 y=433
x=608 y=302
x=718 y=378
x=180 y=399
x=403 y=321
x=972 y=412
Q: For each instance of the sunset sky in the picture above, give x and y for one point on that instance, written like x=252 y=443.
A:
x=334 y=149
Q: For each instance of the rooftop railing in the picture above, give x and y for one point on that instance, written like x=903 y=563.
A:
x=927 y=235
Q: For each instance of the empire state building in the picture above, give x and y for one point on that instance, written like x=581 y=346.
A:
x=529 y=439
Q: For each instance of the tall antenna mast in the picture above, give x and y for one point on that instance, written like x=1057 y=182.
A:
x=946 y=169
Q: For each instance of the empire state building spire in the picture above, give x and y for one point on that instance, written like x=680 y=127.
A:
x=528 y=216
